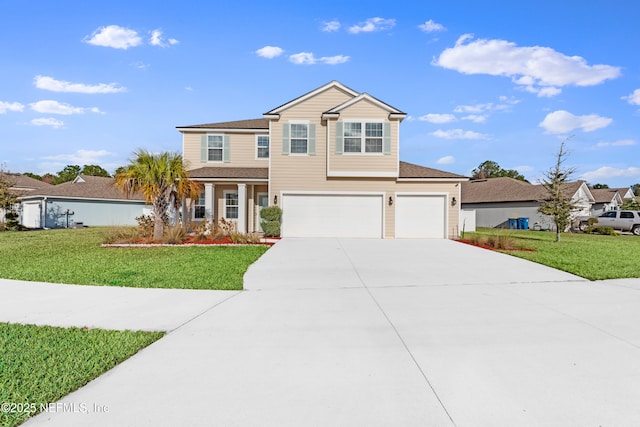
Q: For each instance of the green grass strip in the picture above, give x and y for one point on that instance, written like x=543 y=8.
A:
x=76 y=257
x=41 y=364
x=594 y=257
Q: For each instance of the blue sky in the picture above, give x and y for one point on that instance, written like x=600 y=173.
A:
x=89 y=82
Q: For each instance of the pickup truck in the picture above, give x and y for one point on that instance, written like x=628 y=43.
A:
x=618 y=220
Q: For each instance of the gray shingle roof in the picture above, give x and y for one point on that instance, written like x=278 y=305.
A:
x=495 y=190
x=229 y=173
x=89 y=187
x=604 y=195
x=237 y=124
x=21 y=183
x=409 y=170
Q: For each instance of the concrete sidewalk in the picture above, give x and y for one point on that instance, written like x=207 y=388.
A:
x=378 y=346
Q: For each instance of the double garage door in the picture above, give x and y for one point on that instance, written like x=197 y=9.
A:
x=362 y=215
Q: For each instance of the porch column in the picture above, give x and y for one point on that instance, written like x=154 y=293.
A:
x=209 y=210
x=242 y=208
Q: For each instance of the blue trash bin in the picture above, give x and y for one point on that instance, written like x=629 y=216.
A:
x=513 y=223
x=523 y=223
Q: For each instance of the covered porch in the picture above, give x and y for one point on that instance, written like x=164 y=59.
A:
x=234 y=194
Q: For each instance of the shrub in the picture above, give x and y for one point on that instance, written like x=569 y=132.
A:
x=605 y=231
x=271 y=220
x=238 y=237
x=174 y=235
x=145 y=225
x=120 y=235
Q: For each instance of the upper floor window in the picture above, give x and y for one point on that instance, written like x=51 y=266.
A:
x=363 y=137
x=299 y=138
x=215 y=148
x=262 y=147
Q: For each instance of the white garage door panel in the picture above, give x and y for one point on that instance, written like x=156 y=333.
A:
x=31 y=215
x=420 y=216
x=332 y=216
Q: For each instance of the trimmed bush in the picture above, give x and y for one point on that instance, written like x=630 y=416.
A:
x=270 y=223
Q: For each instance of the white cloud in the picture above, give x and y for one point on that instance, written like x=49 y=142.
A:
x=10 y=106
x=607 y=172
x=524 y=168
x=634 y=98
x=156 y=39
x=476 y=118
x=49 y=83
x=333 y=60
x=81 y=157
x=307 y=58
x=446 y=160
x=140 y=65
x=619 y=143
x=562 y=121
x=49 y=121
x=372 y=24
x=458 y=134
x=55 y=107
x=269 y=52
x=330 y=26
x=115 y=37
x=438 y=118
x=536 y=69
x=431 y=26
x=478 y=108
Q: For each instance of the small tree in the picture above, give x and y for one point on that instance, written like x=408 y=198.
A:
x=557 y=204
x=8 y=198
x=270 y=223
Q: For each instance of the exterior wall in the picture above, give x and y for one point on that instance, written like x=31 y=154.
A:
x=375 y=164
x=493 y=215
x=92 y=213
x=467 y=220
x=242 y=150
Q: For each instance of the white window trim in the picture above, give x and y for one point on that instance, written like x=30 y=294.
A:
x=257 y=147
x=221 y=149
x=224 y=197
x=363 y=138
x=298 y=122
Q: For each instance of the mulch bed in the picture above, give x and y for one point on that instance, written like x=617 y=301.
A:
x=491 y=248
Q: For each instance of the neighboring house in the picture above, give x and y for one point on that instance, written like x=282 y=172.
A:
x=87 y=200
x=331 y=160
x=626 y=193
x=605 y=199
x=499 y=201
x=21 y=185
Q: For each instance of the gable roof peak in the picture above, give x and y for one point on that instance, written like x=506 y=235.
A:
x=331 y=84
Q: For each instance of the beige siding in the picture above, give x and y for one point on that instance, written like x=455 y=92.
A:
x=242 y=150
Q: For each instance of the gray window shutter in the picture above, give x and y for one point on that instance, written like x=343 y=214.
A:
x=386 y=138
x=285 y=138
x=203 y=149
x=226 y=150
x=339 y=138
x=312 y=139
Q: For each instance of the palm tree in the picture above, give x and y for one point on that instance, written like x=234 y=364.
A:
x=162 y=178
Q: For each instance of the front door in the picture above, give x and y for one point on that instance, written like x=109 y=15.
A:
x=263 y=202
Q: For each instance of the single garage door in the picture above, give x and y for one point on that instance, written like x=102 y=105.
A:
x=420 y=216
x=31 y=215
x=329 y=215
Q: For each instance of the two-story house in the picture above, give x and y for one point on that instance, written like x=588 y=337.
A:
x=330 y=159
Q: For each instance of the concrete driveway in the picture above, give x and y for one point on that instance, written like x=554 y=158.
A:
x=385 y=333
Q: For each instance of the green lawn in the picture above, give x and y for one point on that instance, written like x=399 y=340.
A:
x=75 y=256
x=590 y=256
x=41 y=364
